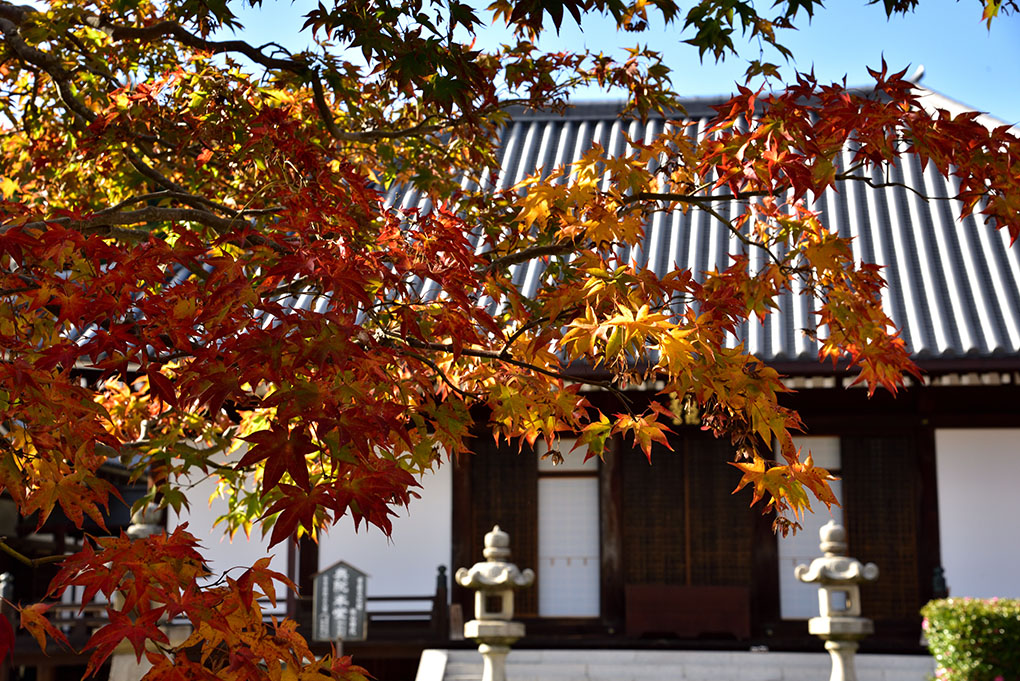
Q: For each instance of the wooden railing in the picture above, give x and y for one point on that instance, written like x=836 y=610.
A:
x=416 y=616
x=432 y=619
x=77 y=621
x=400 y=617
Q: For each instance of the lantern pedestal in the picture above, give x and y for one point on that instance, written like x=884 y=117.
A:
x=850 y=628
x=494 y=633
x=841 y=635
x=494 y=641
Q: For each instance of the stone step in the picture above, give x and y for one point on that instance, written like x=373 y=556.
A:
x=668 y=665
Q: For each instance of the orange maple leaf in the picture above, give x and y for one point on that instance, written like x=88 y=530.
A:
x=754 y=474
x=33 y=618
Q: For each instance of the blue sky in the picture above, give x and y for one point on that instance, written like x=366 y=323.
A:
x=963 y=60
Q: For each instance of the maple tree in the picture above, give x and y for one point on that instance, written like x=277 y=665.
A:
x=169 y=196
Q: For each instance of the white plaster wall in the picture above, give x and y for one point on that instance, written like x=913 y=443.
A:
x=405 y=564
x=220 y=552
x=978 y=472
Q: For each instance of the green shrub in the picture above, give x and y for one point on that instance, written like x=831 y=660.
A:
x=974 y=640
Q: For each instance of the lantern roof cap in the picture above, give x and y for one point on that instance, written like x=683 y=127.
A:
x=496 y=573
x=835 y=567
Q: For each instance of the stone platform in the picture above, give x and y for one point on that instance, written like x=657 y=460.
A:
x=668 y=665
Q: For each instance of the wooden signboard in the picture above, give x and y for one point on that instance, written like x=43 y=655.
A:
x=338 y=604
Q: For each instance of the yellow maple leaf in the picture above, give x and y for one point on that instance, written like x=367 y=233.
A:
x=8 y=187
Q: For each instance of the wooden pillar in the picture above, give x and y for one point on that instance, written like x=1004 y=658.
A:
x=929 y=552
x=611 y=520
x=292 y=576
x=461 y=520
x=764 y=575
x=441 y=607
x=308 y=565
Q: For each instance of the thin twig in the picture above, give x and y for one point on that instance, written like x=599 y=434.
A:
x=878 y=185
x=13 y=291
x=62 y=79
x=527 y=327
x=497 y=357
x=446 y=379
x=489 y=354
x=746 y=240
x=46 y=62
x=423 y=127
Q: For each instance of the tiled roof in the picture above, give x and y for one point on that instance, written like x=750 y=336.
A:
x=954 y=286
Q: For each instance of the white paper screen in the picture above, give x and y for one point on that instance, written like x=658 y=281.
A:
x=798 y=600
x=568 y=547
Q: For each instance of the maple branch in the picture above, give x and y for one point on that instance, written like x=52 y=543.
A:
x=13 y=291
x=148 y=171
x=46 y=62
x=107 y=220
x=30 y=562
x=105 y=223
x=31 y=109
x=319 y=96
x=424 y=127
x=87 y=56
x=703 y=201
x=531 y=253
x=62 y=79
x=744 y=239
x=697 y=199
x=191 y=199
x=171 y=29
x=505 y=352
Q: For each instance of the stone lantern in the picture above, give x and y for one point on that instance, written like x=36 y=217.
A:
x=124 y=666
x=838 y=577
x=494 y=582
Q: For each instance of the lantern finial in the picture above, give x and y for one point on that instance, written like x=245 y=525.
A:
x=497 y=544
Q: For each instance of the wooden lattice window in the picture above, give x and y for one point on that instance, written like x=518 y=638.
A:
x=653 y=535
x=504 y=491
x=681 y=523
x=881 y=499
x=721 y=522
